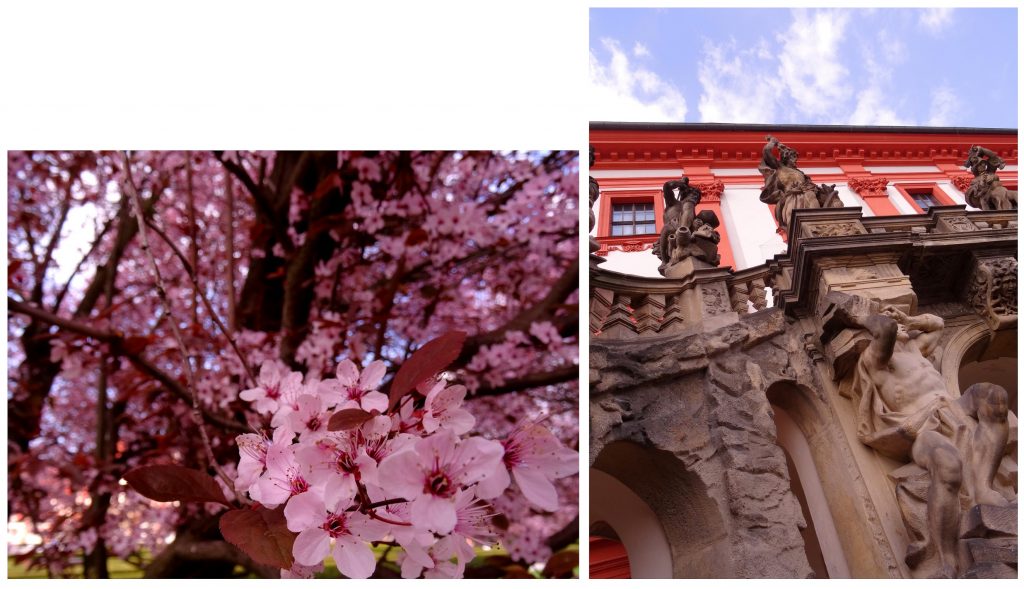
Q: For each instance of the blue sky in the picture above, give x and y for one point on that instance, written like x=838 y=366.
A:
x=920 y=67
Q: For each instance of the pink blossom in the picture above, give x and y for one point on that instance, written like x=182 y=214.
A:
x=433 y=470
x=359 y=391
x=535 y=458
x=252 y=450
x=272 y=382
x=285 y=477
x=443 y=408
x=309 y=419
x=321 y=523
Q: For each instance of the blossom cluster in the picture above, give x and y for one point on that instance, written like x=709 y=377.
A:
x=410 y=474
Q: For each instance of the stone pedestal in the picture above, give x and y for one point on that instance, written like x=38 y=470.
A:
x=988 y=543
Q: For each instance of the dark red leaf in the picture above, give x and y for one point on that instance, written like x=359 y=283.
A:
x=426 y=362
x=167 y=482
x=134 y=344
x=261 y=533
x=416 y=236
x=347 y=419
x=560 y=565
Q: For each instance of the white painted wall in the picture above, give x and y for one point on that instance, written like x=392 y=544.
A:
x=899 y=201
x=900 y=169
x=750 y=226
x=852 y=199
x=637 y=263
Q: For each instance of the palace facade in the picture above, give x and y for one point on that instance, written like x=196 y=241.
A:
x=798 y=339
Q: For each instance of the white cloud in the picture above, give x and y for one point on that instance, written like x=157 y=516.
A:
x=640 y=50
x=944 y=105
x=872 y=108
x=621 y=91
x=935 y=20
x=809 y=64
x=737 y=86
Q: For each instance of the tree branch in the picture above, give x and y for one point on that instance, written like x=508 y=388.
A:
x=162 y=292
x=116 y=339
x=555 y=376
x=560 y=290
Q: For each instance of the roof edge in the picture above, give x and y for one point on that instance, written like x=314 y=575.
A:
x=624 y=126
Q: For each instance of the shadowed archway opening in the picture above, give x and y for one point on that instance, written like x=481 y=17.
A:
x=662 y=513
x=797 y=422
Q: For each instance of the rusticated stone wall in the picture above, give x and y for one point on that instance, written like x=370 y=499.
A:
x=702 y=400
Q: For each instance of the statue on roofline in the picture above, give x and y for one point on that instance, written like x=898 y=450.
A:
x=686 y=233
x=786 y=187
x=986 y=192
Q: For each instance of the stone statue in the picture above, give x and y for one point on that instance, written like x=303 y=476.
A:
x=787 y=187
x=986 y=192
x=595 y=192
x=684 y=232
x=906 y=413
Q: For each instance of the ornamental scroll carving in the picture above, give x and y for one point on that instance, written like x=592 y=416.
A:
x=711 y=191
x=986 y=192
x=835 y=229
x=869 y=185
x=992 y=291
x=630 y=246
x=962 y=182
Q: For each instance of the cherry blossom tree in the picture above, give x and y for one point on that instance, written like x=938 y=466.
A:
x=262 y=312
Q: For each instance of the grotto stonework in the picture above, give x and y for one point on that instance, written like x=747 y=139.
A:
x=729 y=402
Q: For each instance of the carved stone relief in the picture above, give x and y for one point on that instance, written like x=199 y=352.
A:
x=905 y=412
x=992 y=291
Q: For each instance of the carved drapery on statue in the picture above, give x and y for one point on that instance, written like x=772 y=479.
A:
x=786 y=187
x=686 y=235
x=954 y=445
x=986 y=192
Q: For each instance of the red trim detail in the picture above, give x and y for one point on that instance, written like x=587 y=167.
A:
x=696 y=151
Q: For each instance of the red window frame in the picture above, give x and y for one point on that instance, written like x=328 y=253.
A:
x=930 y=188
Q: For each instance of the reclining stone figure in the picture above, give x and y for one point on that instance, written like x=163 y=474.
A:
x=906 y=413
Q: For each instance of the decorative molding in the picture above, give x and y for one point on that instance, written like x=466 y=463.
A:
x=962 y=182
x=630 y=246
x=710 y=191
x=867 y=186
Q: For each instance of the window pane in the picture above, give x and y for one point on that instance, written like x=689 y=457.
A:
x=617 y=230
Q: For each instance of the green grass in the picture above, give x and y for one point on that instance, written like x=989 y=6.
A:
x=118 y=568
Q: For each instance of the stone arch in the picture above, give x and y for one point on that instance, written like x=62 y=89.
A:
x=975 y=354
x=661 y=511
x=834 y=494
x=822 y=546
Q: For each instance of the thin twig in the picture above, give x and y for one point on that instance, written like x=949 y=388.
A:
x=209 y=307
x=197 y=413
